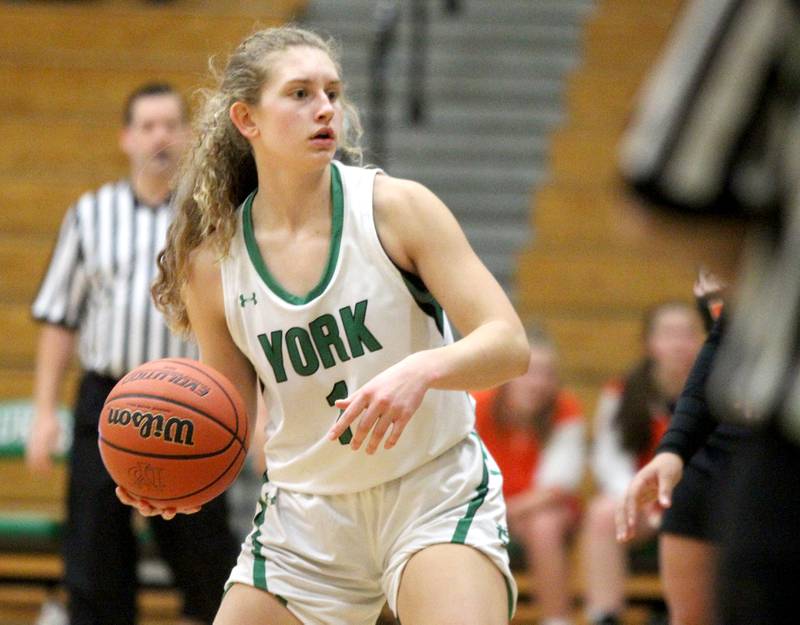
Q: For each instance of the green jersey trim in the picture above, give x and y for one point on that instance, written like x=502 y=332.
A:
x=423 y=297
x=337 y=201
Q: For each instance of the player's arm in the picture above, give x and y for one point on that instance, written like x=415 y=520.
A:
x=205 y=307
x=204 y=304
x=421 y=236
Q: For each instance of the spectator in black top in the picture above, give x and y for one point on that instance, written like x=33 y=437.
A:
x=97 y=290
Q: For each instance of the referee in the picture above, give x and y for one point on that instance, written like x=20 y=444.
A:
x=96 y=293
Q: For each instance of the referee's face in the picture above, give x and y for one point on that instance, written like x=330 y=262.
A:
x=156 y=135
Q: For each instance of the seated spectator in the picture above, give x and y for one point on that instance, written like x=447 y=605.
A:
x=535 y=431
x=631 y=417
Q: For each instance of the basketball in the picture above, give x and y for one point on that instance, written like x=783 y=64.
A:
x=174 y=432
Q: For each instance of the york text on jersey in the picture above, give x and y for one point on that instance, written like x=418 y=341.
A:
x=321 y=342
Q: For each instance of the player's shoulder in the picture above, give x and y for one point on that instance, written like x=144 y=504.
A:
x=203 y=264
x=408 y=209
x=203 y=284
x=399 y=194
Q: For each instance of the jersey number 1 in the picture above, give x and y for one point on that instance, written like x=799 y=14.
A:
x=340 y=392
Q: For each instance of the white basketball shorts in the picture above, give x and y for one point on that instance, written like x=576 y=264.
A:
x=335 y=559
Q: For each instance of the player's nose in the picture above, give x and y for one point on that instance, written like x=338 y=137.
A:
x=325 y=111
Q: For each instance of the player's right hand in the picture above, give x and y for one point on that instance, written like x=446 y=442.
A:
x=651 y=486
x=145 y=508
x=42 y=442
x=389 y=399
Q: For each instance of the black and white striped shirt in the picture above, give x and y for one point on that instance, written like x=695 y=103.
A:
x=99 y=277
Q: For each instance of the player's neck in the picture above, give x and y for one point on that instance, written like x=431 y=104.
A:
x=291 y=199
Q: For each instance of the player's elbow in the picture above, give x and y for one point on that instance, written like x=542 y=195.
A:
x=519 y=352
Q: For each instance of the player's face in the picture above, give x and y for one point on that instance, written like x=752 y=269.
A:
x=299 y=114
x=675 y=340
x=157 y=134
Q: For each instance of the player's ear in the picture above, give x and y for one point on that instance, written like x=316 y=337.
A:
x=243 y=120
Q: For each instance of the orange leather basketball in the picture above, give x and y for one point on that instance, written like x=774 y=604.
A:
x=174 y=432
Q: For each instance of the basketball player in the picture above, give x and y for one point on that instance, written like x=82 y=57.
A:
x=320 y=283
x=96 y=291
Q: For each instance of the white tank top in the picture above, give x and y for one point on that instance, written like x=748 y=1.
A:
x=364 y=316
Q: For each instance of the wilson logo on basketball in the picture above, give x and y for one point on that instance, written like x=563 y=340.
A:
x=172 y=430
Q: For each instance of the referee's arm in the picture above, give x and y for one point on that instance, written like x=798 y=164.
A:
x=54 y=352
x=58 y=304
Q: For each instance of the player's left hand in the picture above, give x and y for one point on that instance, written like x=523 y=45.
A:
x=146 y=508
x=390 y=399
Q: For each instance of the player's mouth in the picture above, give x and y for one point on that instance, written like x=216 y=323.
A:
x=324 y=137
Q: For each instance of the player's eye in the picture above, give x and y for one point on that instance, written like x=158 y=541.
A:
x=299 y=94
x=333 y=96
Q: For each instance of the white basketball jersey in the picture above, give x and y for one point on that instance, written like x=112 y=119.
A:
x=364 y=316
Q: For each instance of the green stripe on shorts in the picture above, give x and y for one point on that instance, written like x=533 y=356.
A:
x=259 y=563
x=460 y=535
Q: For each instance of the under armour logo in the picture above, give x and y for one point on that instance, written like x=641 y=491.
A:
x=502 y=534
x=244 y=300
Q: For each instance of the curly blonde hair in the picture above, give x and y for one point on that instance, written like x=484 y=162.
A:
x=219 y=171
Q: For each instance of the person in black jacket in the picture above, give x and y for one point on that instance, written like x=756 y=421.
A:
x=684 y=481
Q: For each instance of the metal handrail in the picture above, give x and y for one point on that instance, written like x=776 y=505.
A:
x=417 y=65
x=387 y=18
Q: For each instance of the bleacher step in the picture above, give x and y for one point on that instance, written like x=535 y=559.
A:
x=494 y=85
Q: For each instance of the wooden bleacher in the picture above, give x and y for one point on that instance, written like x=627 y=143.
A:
x=589 y=275
x=586 y=275
x=60 y=121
